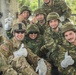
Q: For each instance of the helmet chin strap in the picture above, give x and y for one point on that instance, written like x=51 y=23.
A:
x=48 y=2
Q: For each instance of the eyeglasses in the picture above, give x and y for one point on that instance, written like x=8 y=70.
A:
x=33 y=32
x=20 y=32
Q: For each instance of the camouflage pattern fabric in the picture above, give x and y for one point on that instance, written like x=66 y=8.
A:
x=9 y=33
x=52 y=37
x=58 y=6
x=35 y=44
x=58 y=55
x=4 y=67
x=41 y=23
x=70 y=70
x=23 y=67
x=25 y=8
x=41 y=27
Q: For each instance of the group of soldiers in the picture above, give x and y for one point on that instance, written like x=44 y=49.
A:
x=43 y=46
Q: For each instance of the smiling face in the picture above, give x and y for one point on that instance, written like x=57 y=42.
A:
x=40 y=17
x=19 y=35
x=33 y=35
x=70 y=36
x=26 y=14
x=54 y=23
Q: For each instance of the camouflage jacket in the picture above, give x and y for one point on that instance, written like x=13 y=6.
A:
x=35 y=44
x=9 y=33
x=58 y=55
x=52 y=40
x=13 y=45
x=52 y=37
x=58 y=6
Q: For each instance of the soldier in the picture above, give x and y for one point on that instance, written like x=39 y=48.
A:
x=58 y=6
x=5 y=68
x=68 y=64
x=40 y=19
x=34 y=40
x=23 y=16
x=52 y=36
x=20 y=53
x=53 y=33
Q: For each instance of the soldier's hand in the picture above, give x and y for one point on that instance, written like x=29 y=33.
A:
x=21 y=52
x=62 y=18
x=67 y=61
x=34 y=20
x=41 y=68
x=4 y=48
x=43 y=47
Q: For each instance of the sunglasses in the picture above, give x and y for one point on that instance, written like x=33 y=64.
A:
x=20 y=32
x=33 y=32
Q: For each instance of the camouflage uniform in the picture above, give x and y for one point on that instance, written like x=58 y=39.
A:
x=25 y=21
x=70 y=70
x=58 y=6
x=4 y=67
x=22 y=9
x=34 y=44
x=41 y=24
x=52 y=39
x=20 y=64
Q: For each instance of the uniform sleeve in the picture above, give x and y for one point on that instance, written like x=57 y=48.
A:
x=33 y=58
x=49 y=41
x=3 y=63
x=58 y=56
x=66 y=11
x=5 y=49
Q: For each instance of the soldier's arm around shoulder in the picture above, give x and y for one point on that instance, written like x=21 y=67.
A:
x=5 y=48
x=33 y=58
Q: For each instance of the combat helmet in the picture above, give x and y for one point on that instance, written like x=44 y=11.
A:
x=32 y=28
x=18 y=27
x=25 y=8
x=53 y=15
x=68 y=26
x=39 y=11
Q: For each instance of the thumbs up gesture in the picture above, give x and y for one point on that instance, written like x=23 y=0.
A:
x=41 y=68
x=21 y=52
x=67 y=61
